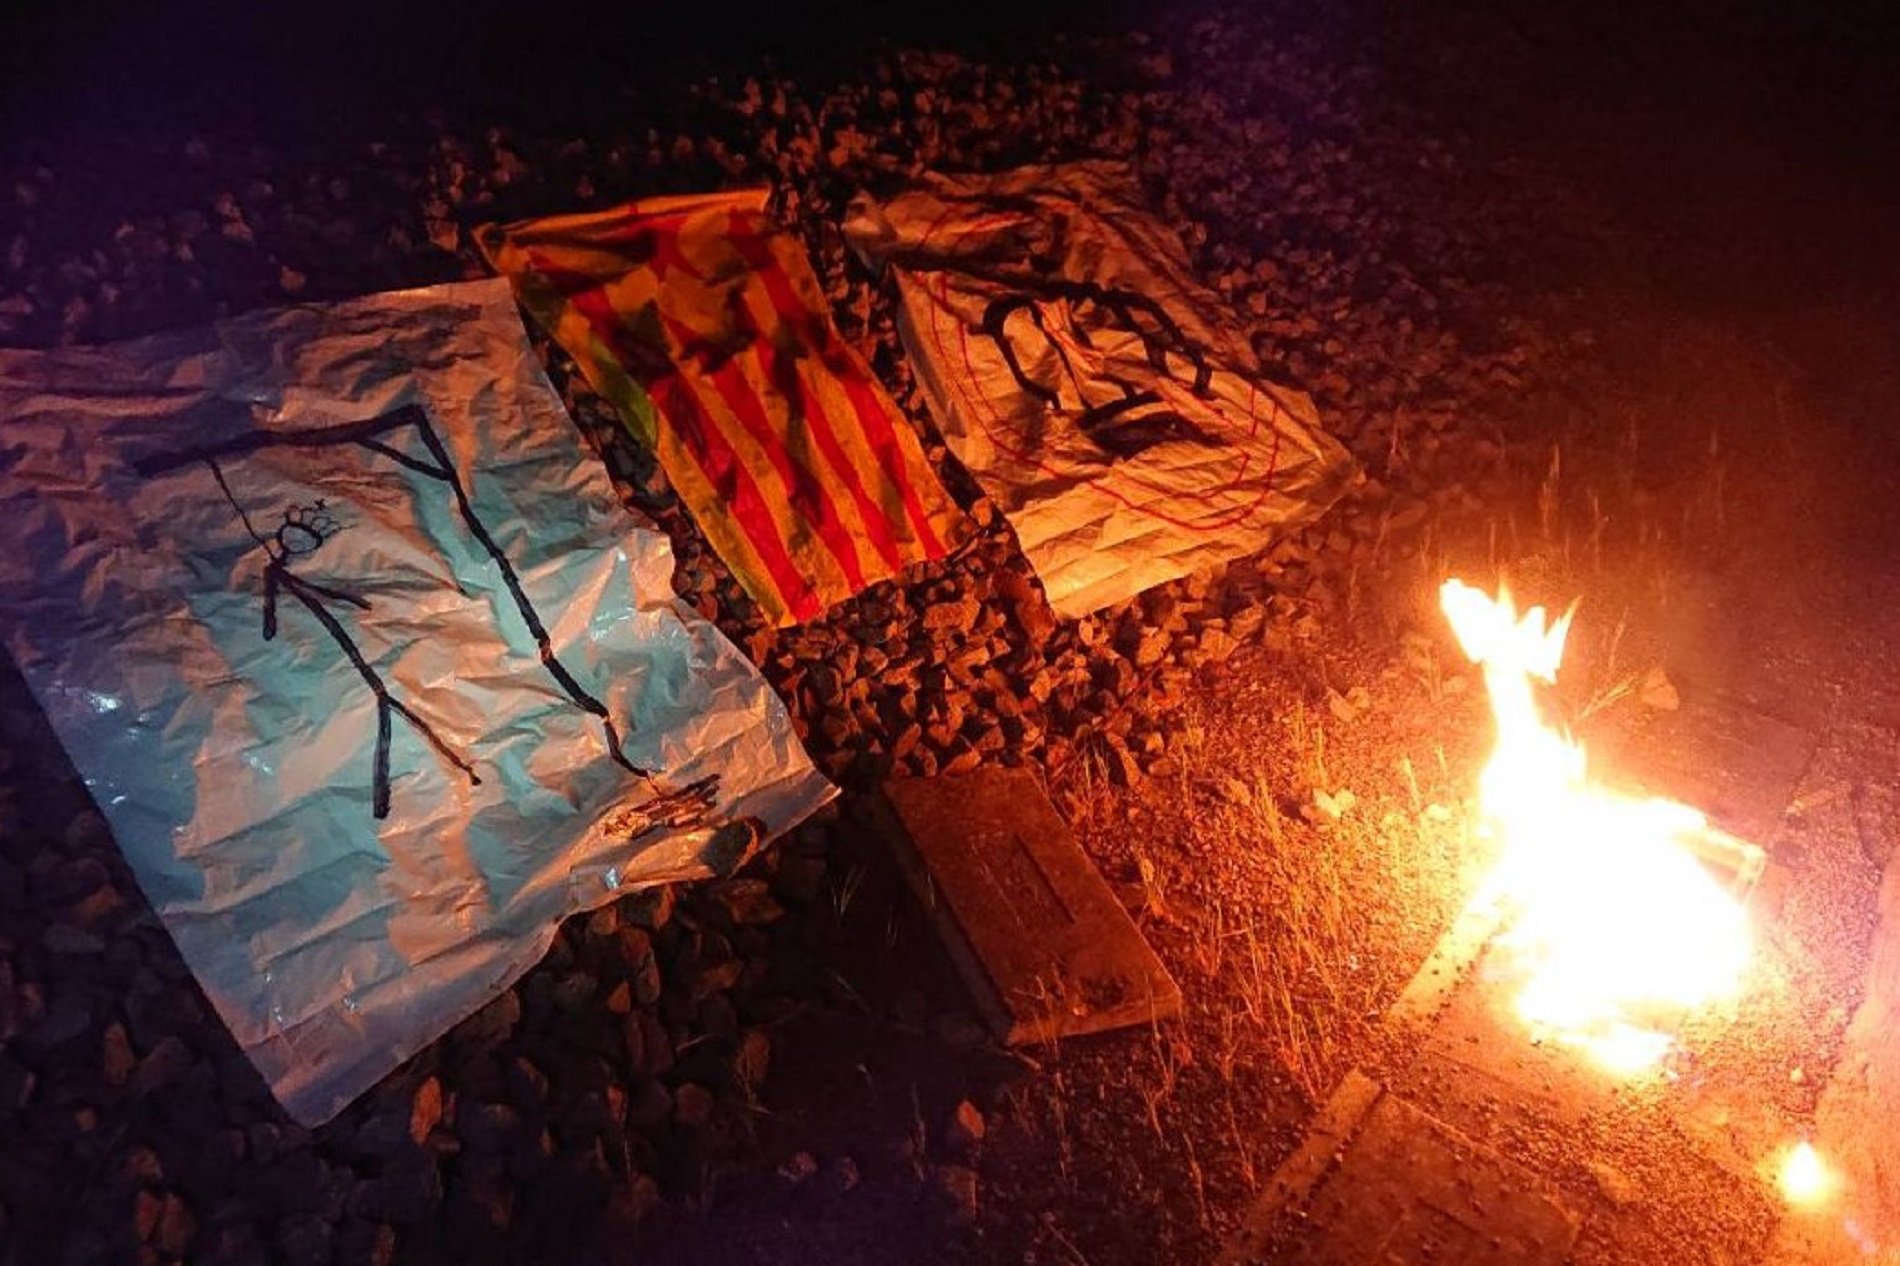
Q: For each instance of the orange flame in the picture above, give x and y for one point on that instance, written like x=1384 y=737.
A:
x=1613 y=920
x=1806 y=1181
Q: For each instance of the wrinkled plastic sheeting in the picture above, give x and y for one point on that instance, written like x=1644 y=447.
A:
x=1093 y=388
x=360 y=657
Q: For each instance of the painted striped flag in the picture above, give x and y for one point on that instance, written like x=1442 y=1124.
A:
x=701 y=320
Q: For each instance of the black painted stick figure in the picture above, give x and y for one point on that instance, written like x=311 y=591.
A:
x=301 y=534
x=306 y=528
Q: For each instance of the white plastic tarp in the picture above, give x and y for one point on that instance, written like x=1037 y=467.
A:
x=1092 y=387
x=366 y=665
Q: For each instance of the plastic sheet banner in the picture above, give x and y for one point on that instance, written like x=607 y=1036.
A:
x=1090 y=385
x=365 y=664
x=701 y=320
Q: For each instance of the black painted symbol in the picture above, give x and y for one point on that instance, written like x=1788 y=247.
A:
x=304 y=530
x=1132 y=419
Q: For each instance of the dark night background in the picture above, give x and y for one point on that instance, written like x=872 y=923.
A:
x=1785 y=112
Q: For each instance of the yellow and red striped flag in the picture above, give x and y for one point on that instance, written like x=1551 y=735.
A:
x=701 y=320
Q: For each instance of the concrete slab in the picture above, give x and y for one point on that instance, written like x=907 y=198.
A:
x=1294 y=1182
x=1411 y=1191
x=1739 y=637
x=1738 y=764
x=1437 y=979
x=1485 y=1074
x=1036 y=933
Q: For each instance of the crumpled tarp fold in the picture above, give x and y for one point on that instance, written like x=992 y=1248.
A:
x=1091 y=386
x=370 y=672
x=700 y=319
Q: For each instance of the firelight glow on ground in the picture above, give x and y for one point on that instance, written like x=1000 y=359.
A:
x=1614 y=924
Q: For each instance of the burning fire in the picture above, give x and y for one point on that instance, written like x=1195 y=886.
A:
x=1615 y=923
x=1805 y=1179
